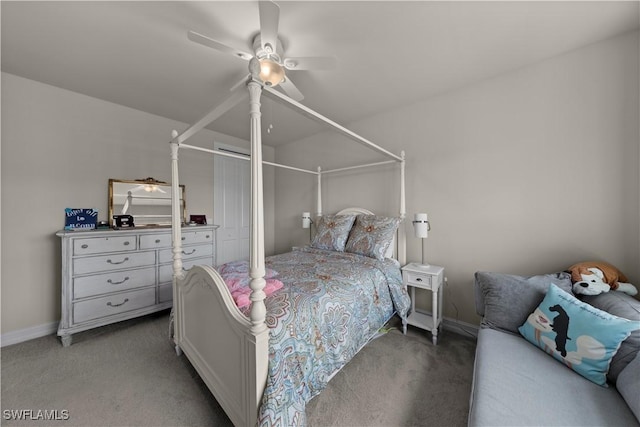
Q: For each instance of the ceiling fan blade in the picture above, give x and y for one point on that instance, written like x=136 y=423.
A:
x=244 y=81
x=214 y=44
x=269 y=20
x=291 y=90
x=311 y=63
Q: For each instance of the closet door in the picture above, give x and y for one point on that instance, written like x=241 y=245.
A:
x=232 y=204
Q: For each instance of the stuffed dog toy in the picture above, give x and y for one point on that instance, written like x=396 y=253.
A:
x=593 y=278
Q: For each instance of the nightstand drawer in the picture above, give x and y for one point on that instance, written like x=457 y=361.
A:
x=417 y=279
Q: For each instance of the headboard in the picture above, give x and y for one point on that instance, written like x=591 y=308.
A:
x=391 y=251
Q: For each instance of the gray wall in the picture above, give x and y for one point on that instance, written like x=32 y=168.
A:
x=524 y=173
x=59 y=149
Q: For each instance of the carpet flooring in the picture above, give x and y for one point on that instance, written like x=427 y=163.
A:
x=128 y=374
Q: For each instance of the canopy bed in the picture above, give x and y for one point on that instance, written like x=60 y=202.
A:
x=233 y=349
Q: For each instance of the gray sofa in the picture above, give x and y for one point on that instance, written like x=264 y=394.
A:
x=517 y=384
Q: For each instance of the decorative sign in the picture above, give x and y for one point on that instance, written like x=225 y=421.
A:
x=80 y=219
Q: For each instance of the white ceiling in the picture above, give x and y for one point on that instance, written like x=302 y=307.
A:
x=390 y=53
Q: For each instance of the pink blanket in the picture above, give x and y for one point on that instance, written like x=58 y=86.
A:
x=236 y=276
x=241 y=295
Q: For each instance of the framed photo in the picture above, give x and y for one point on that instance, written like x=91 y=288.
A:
x=198 y=219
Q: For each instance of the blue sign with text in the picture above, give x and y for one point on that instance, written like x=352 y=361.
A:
x=80 y=219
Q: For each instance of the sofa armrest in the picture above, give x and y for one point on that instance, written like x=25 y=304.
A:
x=628 y=385
x=479 y=297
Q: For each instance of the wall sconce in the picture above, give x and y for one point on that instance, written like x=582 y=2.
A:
x=421 y=228
x=307 y=221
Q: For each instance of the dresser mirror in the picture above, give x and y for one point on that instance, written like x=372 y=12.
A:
x=146 y=201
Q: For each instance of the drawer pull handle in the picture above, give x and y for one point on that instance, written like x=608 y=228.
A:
x=418 y=279
x=85 y=246
x=157 y=240
x=118 y=283
x=193 y=251
x=183 y=238
x=208 y=236
x=126 y=243
x=118 y=305
x=121 y=262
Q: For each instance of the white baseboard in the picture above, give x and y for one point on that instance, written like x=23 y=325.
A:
x=15 y=337
x=460 y=327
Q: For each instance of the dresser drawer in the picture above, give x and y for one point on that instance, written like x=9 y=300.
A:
x=188 y=252
x=113 y=262
x=166 y=271
x=153 y=241
x=203 y=236
x=417 y=279
x=113 y=304
x=165 y=293
x=113 y=282
x=100 y=245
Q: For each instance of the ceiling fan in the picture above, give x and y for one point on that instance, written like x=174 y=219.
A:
x=269 y=53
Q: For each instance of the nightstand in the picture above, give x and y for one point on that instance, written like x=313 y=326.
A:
x=431 y=278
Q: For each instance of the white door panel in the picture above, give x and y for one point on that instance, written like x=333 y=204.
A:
x=232 y=201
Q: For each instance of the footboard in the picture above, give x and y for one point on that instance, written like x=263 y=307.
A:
x=217 y=339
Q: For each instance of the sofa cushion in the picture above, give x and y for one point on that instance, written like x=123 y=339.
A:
x=629 y=385
x=621 y=305
x=505 y=300
x=581 y=336
x=514 y=384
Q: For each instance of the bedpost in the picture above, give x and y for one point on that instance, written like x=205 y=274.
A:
x=319 y=203
x=176 y=231
x=257 y=268
x=402 y=238
x=176 y=226
x=258 y=343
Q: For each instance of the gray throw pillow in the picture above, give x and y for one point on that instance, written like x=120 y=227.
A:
x=621 y=305
x=332 y=232
x=509 y=299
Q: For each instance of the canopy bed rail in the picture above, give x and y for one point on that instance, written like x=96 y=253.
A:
x=227 y=348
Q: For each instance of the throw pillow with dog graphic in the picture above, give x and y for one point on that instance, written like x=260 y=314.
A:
x=582 y=337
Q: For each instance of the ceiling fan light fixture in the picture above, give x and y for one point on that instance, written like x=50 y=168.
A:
x=271 y=73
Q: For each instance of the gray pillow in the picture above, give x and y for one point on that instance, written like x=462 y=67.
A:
x=629 y=385
x=507 y=299
x=621 y=305
x=332 y=232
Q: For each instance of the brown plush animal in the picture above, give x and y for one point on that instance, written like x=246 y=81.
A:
x=596 y=277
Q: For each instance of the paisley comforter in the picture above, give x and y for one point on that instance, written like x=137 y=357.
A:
x=331 y=305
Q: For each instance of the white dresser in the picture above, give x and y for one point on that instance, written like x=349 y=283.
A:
x=113 y=275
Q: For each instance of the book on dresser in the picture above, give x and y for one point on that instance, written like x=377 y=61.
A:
x=113 y=275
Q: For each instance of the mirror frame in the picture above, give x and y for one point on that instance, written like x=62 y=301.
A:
x=148 y=181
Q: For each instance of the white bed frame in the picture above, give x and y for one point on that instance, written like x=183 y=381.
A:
x=228 y=349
